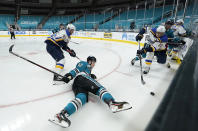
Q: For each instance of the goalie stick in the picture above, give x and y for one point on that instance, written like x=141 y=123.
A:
x=10 y=51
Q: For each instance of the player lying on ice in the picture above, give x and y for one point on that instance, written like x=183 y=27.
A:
x=84 y=83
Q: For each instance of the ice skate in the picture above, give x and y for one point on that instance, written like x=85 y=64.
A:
x=58 y=80
x=119 y=106
x=168 y=65
x=146 y=71
x=61 y=119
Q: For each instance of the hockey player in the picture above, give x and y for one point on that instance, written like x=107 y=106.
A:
x=55 y=44
x=180 y=32
x=156 y=41
x=169 y=33
x=61 y=27
x=11 y=29
x=84 y=83
x=179 y=29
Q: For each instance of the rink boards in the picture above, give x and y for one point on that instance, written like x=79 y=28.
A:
x=125 y=37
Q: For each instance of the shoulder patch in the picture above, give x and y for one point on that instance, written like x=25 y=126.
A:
x=80 y=64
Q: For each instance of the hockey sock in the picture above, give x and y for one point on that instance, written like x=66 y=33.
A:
x=75 y=104
x=105 y=95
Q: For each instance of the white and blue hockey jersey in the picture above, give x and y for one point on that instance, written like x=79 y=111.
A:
x=157 y=43
x=61 y=38
x=179 y=30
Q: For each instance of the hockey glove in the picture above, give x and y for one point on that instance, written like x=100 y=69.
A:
x=93 y=76
x=72 y=53
x=140 y=52
x=67 y=78
x=139 y=37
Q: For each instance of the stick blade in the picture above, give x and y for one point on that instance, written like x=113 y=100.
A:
x=10 y=49
x=142 y=80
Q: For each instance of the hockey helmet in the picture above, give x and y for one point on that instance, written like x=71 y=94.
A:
x=91 y=58
x=71 y=27
x=161 y=29
x=61 y=26
x=169 y=22
x=180 y=21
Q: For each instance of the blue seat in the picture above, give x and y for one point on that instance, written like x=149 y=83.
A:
x=29 y=22
x=6 y=19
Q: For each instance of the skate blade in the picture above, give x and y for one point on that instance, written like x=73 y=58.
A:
x=57 y=123
x=123 y=109
x=58 y=83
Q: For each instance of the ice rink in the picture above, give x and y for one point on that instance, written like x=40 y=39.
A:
x=28 y=98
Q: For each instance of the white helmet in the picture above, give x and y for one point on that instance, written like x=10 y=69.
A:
x=161 y=29
x=71 y=26
x=180 y=21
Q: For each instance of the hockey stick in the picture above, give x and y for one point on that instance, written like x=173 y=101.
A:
x=75 y=56
x=74 y=42
x=140 y=57
x=70 y=52
x=10 y=51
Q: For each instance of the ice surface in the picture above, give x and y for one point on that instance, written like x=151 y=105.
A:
x=28 y=98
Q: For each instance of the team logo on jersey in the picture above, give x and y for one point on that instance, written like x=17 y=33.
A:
x=80 y=64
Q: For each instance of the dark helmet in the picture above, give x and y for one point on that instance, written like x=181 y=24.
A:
x=91 y=58
x=169 y=22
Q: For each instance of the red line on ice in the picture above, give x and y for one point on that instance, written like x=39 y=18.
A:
x=61 y=93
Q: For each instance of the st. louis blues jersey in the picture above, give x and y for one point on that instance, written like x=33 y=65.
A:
x=157 y=43
x=61 y=38
x=171 y=37
x=179 y=30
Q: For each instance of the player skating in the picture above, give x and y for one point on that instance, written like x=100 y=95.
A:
x=169 y=33
x=84 y=83
x=11 y=29
x=156 y=41
x=55 y=44
x=179 y=52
